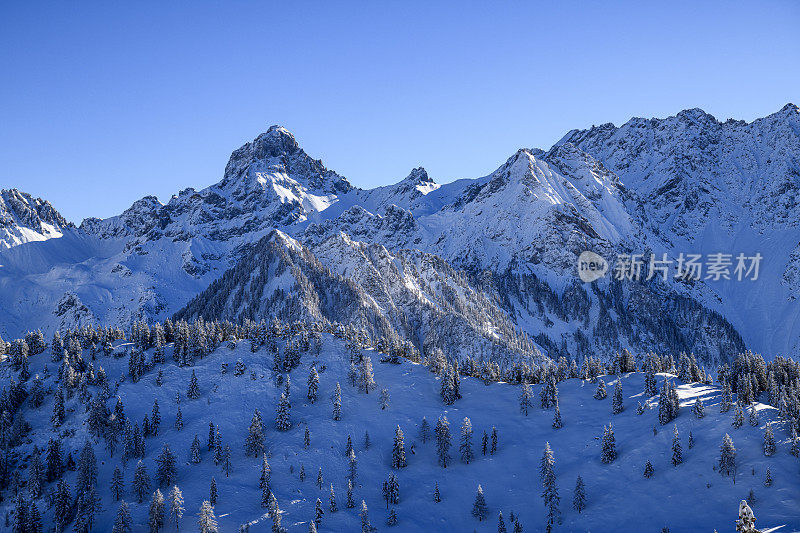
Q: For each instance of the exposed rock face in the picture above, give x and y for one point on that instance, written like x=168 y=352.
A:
x=24 y=218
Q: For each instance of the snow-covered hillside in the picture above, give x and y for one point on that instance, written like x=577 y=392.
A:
x=24 y=218
x=237 y=379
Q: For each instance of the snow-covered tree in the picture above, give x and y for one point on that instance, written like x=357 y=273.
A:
x=616 y=399
x=206 y=521
x=212 y=492
x=727 y=457
x=141 y=482
x=557 y=422
x=769 y=440
x=443 y=441
x=479 y=508
x=283 y=419
x=337 y=403
x=677 y=451
x=254 y=443
x=366 y=377
x=600 y=393
x=123 y=522
x=698 y=408
x=332 y=506
x=366 y=527
x=579 y=495
x=350 y=503
x=525 y=399
x=549 y=488
x=465 y=446
x=176 y=506
x=117 y=484
x=398 y=449
x=194 y=389
x=384 y=399
x=167 y=470
x=313 y=385
x=608 y=444
x=648 y=470
x=738 y=417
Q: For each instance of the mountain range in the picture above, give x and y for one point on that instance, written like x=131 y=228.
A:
x=484 y=267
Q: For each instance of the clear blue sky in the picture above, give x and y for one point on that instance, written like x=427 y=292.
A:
x=103 y=103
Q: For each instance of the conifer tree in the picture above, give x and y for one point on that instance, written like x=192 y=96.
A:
x=366 y=377
x=769 y=441
x=501 y=525
x=485 y=441
x=465 y=446
x=58 y=409
x=307 y=438
x=727 y=457
x=609 y=449
x=738 y=417
x=366 y=527
x=207 y=522
x=123 y=523
x=348 y=447
x=437 y=497
x=768 y=478
x=332 y=507
x=226 y=461
x=648 y=470
x=319 y=478
x=494 y=440
x=282 y=414
x=616 y=399
x=318 y=512
x=677 y=451
x=600 y=393
x=212 y=493
x=166 y=472
x=350 y=503
x=117 y=484
x=141 y=482
x=443 y=441
x=579 y=495
x=424 y=430
x=302 y=473
x=179 y=419
x=20 y=524
x=794 y=447
x=194 y=451
x=34 y=519
x=525 y=399
x=384 y=399
x=176 y=506
x=313 y=385
x=549 y=488
x=337 y=403
x=557 y=422
x=62 y=505
x=479 y=508
x=727 y=398
x=367 y=442
x=254 y=443
x=194 y=390
x=352 y=471
x=753 y=416
x=398 y=449
x=211 y=436
x=698 y=409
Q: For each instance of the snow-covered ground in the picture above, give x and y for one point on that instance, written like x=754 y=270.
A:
x=689 y=497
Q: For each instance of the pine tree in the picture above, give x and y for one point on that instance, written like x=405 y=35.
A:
x=20 y=515
x=207 y=522
x=87 y=469
x=319 y=478
x=318 y=512
x=600 y=393
x=307 y=438
x=392 y=519
x=176 y=506
x=525 y=399
x=768 y=478
x=348 y=447
x=302 y=473
x=609 y=449
x=443 y=441
x=123 y=523
x=398 y=449
x=155 y=418
x=254 y=443
x=352 y=466
x=384 y=399
x=350 y=503
x=212 y=493
x=465 y=446
x=266 y=473
x=367 y=442
x=337 y=403
x=424 y=430
x=738 y=417
x=794 y=448
x=698 y=409
x=366 y=377
x=494 y=440
x=485 y=440
x=650 y=385
x=549 y=488
x=62 y=505
x=282 y=414
x=194 y=451
x=557 y=422
x=117 y=484
x=437 y=497
x=727 y=457
x=753 y=416
x=501 y=525
x=479 y=509
x=616 y=399
x=366 y=527
x=648 y=470
x=313 y=385
x=211 y=436
x=579 y=495
x=194 y=390
x=677 y=451
x=166 y=472
x=727 y=398
x=34 y=519
x=548 y=395
x=141 y=482
x=769 y=441
x=179 y=419
x=226 y=461
x=691 y=440
x=58 y=409
x=332 y=507
x=35 y=475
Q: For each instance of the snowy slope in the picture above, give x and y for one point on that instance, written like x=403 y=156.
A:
x=689 y=497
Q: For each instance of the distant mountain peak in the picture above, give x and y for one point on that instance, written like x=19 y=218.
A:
x=419 y=175
x=25 y=218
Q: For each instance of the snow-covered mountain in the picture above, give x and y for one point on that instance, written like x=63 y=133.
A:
x=24 y=218
x=732 y=187
x=684 y=184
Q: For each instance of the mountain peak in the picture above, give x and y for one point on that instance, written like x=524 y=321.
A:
x=419 y=175
x=276 y=141
x=24 y=218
